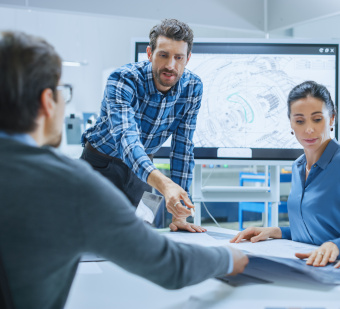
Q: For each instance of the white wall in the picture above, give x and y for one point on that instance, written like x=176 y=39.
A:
x=103 y=41
x=327 y=28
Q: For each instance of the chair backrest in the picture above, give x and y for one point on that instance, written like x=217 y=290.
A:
x=6 y=301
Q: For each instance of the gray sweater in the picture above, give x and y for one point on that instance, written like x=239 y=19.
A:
x=53 y=209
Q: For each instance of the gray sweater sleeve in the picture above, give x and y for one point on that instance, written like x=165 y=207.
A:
x=111 y=229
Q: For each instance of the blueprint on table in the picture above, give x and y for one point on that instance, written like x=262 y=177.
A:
x=269 y=259
x=294 y=268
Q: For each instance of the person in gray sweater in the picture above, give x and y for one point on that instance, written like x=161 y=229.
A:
x=54 y=209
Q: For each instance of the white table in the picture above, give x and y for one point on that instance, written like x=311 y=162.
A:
x=103 y=285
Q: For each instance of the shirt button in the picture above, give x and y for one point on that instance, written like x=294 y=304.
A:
x=314 y=165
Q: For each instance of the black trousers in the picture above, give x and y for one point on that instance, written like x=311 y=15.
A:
x=118 y=173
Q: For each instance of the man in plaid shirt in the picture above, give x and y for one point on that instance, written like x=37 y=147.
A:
x=144 y=104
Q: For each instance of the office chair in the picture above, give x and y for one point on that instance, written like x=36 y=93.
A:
x=259 y=207
x=6 y=301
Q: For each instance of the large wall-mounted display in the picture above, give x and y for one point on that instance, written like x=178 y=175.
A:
x=246 y=84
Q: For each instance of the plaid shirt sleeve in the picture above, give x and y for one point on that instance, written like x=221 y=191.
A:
x=181 y=156
x=124 y=130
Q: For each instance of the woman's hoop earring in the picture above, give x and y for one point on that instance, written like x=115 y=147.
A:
x=292 y=132
x=332 y=129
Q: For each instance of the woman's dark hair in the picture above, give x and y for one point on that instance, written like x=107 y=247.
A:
x=311 y=89
x=172 y=29
x=28 y=65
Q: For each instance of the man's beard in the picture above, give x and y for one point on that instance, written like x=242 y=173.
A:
x=157 y=76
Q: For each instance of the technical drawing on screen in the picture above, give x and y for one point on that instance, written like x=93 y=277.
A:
x=246 y=84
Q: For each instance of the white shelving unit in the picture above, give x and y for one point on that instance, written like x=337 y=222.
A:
x=202 y=193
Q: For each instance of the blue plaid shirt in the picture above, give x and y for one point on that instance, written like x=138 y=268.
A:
x=136 y=119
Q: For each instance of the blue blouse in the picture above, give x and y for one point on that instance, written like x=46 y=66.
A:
x=314 y=205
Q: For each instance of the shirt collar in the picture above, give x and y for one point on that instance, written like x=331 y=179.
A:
x=326 y=157
x=328 y=154
x=151 y=84
x=149 y=79
x=23 y=138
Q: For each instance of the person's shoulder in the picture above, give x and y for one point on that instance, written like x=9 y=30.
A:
x=79 y=175
x=191 y=83
x=191 y=77
x=299 y=161
x=135 y=70
x=74 y=168
x=49 y=162
x=335 y=144
x=336 y=148
x=74 y=179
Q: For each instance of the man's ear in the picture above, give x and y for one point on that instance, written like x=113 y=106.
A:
x=149 y=53
x=47 y=103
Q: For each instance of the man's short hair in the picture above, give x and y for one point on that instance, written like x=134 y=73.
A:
x=28 y=65
x=172 y=29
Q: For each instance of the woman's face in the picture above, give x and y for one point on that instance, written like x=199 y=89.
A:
x=311 y=123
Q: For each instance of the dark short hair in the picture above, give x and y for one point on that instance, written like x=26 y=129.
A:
x=172 y=29
x=311 y=89
x=28 y=65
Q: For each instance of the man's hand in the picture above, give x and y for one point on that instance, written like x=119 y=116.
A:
x=182 y=224
x=172 y=193
x=240 y=261
x=255 y=234
x=326 y=253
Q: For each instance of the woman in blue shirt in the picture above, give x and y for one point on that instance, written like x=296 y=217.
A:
x=314 y=202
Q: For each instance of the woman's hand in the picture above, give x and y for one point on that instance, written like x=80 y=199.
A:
x=255 y=234
x=326 y=253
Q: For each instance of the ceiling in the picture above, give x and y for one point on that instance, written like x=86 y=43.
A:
x=247 y=15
